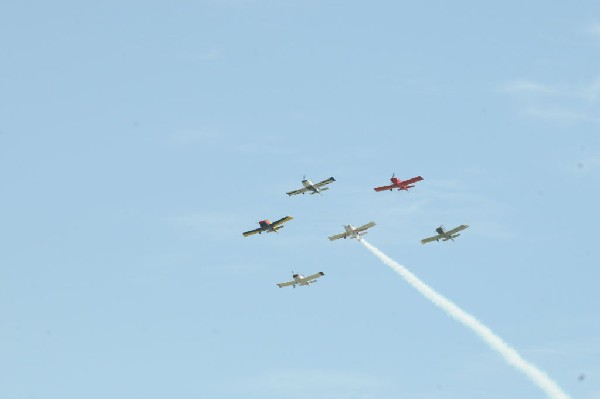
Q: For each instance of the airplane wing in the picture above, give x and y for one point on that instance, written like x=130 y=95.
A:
x=287 y=283
x=413 y=180
x=312 y=277
x=282 y=221
x=249 y=233
x=434 y=238
x=457 y=229
x=324 y=182
x=337 y=236
x=300 y=191
x=366 y=226
x=383 y=188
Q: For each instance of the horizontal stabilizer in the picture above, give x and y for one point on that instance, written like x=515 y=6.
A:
x=452 y=237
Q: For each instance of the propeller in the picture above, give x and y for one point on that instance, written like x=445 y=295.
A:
x=393 y=175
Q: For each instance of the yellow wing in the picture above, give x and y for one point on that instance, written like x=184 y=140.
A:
x=337 y=236
x=281 y=221
x=434 y=238
x=249 y=233
x=324 y=182
x=312 y=277
x=365 y=227
x=300 y=191
x=457 y=229
x=287 y=284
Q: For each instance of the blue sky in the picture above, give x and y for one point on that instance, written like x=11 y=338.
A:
x=138 y=140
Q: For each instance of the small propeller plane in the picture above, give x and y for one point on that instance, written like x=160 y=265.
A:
x=353 y=232
x=266 y=225
x=445 y=235
x=300 y=280
x=399 y=184
x=313 y=188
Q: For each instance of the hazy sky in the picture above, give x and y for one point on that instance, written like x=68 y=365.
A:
x=139 y=139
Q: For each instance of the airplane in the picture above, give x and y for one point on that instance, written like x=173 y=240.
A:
x=313 y=188
x=399 y=184
x=445 y=235
x=266 y=225
x=300 y=280
x=353 y=232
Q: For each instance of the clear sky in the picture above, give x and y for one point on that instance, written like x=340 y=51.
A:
x=139 y=139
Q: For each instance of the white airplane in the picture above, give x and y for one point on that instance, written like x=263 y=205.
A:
x=300 y=280
x=313 y=188
x=353 y=232
x=445 y=235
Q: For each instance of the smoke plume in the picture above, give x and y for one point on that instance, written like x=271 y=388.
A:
x=495 y=342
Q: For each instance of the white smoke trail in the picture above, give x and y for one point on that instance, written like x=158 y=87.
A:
x=494 y=341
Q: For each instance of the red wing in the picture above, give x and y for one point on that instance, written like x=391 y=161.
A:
x=383 y=188
x=411 y=181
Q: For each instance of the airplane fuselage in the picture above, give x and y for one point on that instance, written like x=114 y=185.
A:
x=399 y=184
x=351 y=232
x=298 y=278
x=440 y=231
x=266 y=225
x=310 y=186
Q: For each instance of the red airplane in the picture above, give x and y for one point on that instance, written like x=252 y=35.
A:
x=399 y=184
